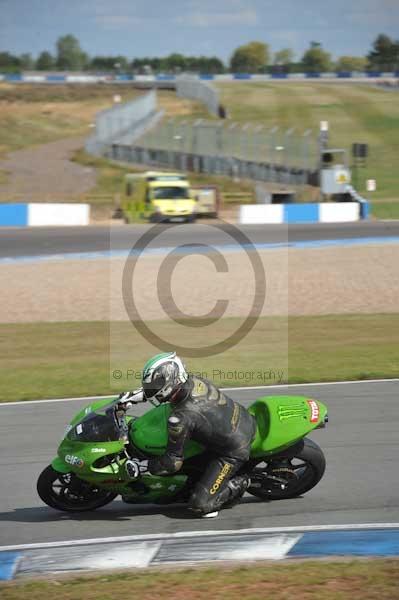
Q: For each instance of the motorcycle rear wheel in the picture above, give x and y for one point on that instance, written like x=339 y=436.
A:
x=66 y=492
x=289 y=478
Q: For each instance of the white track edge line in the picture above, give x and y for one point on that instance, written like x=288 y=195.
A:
x=195 y=534
x=228 y=389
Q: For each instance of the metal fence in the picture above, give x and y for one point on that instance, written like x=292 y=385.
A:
x=127 y=133
x=195 y=89
x=123 y=123
x=249 y=142
x=214 y=165
x=246 y=151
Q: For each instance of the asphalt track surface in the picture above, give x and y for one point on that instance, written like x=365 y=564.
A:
x=361 y=483
x=45 y=241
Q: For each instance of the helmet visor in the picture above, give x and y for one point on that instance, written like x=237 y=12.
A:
x=152 y=388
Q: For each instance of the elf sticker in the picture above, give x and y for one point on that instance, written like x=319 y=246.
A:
x=75 y=461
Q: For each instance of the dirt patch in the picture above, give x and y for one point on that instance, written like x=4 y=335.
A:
x=46 y=173
x=299 y=282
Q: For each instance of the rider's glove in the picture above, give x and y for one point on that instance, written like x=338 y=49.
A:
x=134 y=467
x=131 y=397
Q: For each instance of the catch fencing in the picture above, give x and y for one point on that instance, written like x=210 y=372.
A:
x=195 y=89
x=221 y=148
x=128 y=133
x=123 y=123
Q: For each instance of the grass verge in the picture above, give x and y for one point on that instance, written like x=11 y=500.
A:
x=36 y=114
x=50 y=360
x=363 y=580
x=356 y=113
x=385 y=210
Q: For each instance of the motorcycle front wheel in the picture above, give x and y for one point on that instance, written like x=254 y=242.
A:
x=66 y=492
x=284 y=478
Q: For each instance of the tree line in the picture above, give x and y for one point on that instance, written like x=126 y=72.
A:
x=254 y=57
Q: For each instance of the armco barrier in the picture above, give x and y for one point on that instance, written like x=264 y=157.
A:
x=41 y=214
x=328 y=212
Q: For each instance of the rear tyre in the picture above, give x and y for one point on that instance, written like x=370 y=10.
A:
x=285 y=478
x=66 y=492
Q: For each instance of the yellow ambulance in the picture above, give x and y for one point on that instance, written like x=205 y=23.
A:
x=158 y=197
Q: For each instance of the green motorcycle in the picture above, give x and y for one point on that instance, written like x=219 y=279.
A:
x=90 y=469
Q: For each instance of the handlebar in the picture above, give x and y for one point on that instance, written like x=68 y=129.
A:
x=127 y=399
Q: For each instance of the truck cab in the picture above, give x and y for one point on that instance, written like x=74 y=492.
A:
x=158 y=197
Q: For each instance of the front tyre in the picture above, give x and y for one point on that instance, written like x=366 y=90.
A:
x=285 y=478
x=65 y=491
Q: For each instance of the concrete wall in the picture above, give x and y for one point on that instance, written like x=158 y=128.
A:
x=31 y=215
x=328 y=212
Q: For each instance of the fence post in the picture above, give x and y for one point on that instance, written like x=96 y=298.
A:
x=306 y=149
x=273 y=150
x=231 y=139
x=256 y=144
x=243 y=140
x=219 y=138
x=287 y=148
x=194 y=143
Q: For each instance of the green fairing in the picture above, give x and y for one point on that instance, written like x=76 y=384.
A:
x=60 y=465
x=281 y=421
x=149 y=433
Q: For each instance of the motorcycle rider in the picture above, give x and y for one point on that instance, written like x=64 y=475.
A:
x=201 y=412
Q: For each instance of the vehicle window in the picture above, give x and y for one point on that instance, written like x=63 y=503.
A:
x=170 y=193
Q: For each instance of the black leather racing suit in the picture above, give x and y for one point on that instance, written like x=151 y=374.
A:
x=226 y=429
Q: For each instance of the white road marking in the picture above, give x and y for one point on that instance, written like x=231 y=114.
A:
x=274 y=547
x=135 y=556
x=193 y=534
x=139 y=557
x=228 y=389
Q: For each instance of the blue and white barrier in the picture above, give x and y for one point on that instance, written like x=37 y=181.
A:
x=38 y=77
x=327 y=212
x=363 y=203
x=142 y=551
x=40 y=214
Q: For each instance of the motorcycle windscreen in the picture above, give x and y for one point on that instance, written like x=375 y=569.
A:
x=95 y=428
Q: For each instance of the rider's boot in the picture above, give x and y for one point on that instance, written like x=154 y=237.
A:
x=237 y=486
x=231 y=495
x=210 y=515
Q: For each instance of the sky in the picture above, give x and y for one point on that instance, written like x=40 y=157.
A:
x=137 y=28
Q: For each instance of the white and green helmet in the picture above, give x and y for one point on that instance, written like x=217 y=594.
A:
x=163 y=375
